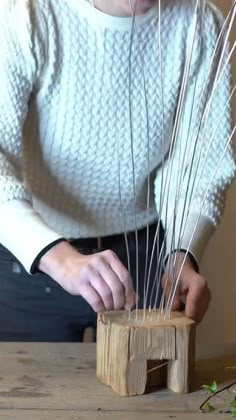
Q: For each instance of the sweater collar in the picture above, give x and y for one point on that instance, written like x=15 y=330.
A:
x=105 y=21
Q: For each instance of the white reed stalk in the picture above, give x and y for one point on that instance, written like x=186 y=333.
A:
x=199 y=216
x=194 y=187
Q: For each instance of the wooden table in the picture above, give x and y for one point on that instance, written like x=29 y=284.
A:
x=41 y=381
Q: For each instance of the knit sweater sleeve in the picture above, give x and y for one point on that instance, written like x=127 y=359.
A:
x=22 y=231
x=199 y=174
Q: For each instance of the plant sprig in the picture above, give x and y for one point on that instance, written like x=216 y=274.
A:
x=213 y=390
x=232 y=408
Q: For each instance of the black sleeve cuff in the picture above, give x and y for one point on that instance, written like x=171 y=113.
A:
x=190 y=255
x=34 y=266
x=192 y=258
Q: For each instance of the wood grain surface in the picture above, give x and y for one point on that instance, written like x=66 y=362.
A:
x=58 y=381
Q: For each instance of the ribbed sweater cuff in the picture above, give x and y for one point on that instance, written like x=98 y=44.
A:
x=23 y=232
x=34 y=267
x=194 y=239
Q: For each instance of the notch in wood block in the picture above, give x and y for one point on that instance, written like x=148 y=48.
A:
x=124 y=346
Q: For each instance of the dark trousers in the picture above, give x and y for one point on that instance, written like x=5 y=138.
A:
x=36 y=308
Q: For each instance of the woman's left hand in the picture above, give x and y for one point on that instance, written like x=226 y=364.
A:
x=192 y=290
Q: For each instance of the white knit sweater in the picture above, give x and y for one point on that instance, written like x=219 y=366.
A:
x=67 y=153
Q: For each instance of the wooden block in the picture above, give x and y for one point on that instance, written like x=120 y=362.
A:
x=125 y=347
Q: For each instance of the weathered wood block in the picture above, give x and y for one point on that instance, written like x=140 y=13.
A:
x=126 y=346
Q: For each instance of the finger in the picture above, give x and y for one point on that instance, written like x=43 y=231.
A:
x=176 y=304
x=113 y=282
x=168 y=288
x=103 y=291
x=166 y=285
x=197 y=302
x=124 y=277
x=92 y=297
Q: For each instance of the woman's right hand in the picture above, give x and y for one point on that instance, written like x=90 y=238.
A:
x=101 y=279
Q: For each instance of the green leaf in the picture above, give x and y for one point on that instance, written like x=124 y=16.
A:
x=232 y=408
x=208 y=408
x=212 y=388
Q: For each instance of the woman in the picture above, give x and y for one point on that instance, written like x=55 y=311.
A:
x=81 y=96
